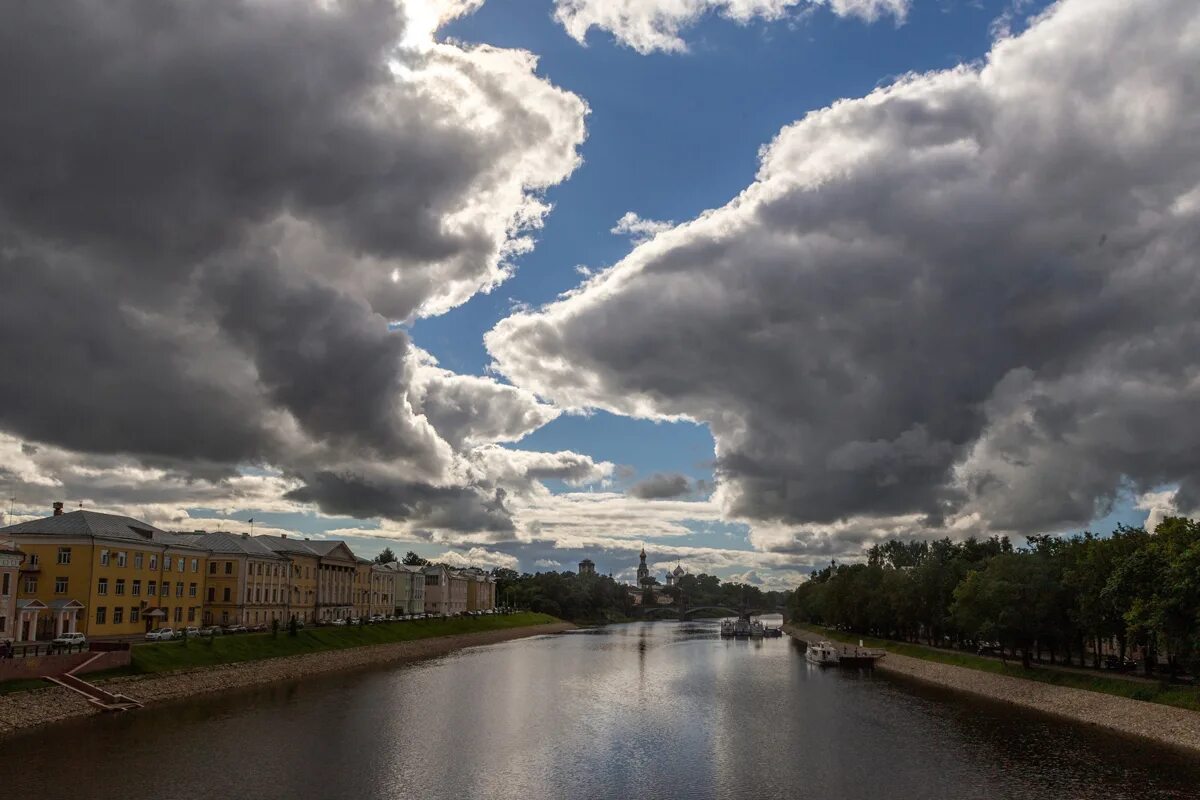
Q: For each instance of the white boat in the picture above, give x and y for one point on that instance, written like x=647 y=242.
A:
x=756 y=629
x=823 y=654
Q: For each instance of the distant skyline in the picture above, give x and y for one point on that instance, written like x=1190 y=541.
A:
x=753 y=283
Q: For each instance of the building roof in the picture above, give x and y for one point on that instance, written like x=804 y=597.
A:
x=325 y=547
x=286 y=544
x=97 y=524
x=234 y=543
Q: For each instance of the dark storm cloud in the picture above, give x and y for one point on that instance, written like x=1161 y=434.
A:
x=968 y=299
x=209 y=213
x=449 y=508
x=661 y=487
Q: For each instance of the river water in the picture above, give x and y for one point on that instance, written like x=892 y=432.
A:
x=645 y=710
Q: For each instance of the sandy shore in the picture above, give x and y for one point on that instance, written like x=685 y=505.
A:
x=23 y=710
x=1176 y=727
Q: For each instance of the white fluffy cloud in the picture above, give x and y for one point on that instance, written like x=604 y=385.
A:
x=639 y=229
x=227 y=223
x=966 y=300
x=650 y=25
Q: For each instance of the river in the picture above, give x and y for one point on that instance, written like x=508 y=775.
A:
x=645 y=710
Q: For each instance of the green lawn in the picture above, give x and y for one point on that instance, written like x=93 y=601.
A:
x=169 y=656
x=1180 y=696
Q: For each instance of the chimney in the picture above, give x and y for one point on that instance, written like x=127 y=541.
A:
x=58 y=509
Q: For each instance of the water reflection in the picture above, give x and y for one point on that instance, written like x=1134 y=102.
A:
x=644 y=710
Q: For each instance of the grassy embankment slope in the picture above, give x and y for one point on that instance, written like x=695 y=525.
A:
x=171 y=656
x=1179 y=696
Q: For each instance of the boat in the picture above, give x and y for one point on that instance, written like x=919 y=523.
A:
x=756 y=629
x=727 y=629
x=823 y=654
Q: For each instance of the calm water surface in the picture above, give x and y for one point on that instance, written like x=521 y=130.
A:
x=647 y=710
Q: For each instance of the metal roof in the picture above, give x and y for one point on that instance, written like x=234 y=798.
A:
x=235 y=543
x=96 y=524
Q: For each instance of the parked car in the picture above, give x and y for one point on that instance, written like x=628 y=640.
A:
x=235 y=628
x=189 y=631
x=160 y=635
x=339 y=622
x=70 y=640
x=257 y=628
x=1119 y=664
x=211 y=630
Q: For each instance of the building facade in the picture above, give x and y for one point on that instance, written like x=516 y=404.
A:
x=304 y=569
x=337 y=567
x=248 y=583
x=103 y=575
x=10 y=573
x=445 y=591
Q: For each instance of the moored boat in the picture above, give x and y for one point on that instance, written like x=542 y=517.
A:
x=822 y=654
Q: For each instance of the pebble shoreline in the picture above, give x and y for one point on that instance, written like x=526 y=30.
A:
x=1168 y=725
x=20 y=711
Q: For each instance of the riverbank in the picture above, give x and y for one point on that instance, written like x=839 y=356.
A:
x=1168 y=725
x=22 y=710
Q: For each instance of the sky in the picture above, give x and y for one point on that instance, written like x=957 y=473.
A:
x=750 y=283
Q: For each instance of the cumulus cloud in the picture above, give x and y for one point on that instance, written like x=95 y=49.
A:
x=476 y=557
x=211 y=214
x=662 y=486
x=966 y=300
x=640 y=230
x=650 y=25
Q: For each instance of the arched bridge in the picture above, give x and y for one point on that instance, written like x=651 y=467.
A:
x=684 y=611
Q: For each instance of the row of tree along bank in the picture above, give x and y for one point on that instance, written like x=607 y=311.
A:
x=1068 y=599
x=600 y=598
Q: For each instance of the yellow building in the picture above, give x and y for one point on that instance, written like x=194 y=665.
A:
x=247 y=583
x=336 y=578
x=305 y=565
x=104 y=575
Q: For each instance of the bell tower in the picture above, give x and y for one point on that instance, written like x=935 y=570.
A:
x=643 y=572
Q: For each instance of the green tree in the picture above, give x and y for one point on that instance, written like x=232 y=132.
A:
x=386 y=557
x=411 y=559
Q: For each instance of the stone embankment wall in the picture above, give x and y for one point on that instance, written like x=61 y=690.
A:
x=22 y=710
x=1176 y=727
x=39 y=666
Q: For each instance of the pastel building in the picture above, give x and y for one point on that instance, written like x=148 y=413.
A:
x=103 y=575
x=247 y=582
x=10 y=565
x=445 y=591
x=304 y=570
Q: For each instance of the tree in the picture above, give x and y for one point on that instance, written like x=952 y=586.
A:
x=386 y=557
x=411 y=559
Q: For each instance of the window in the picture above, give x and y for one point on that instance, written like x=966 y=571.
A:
x=34 y=559
x=60 y=585
x=102 y=586
x=103 y=559
x=135 y=614
x=191 y=590
x=179 y=613
x=195 y=565
x=166 y=563
x=249 y=594
x=137 y=589
x=153 y=562
x=3 y=624
x=192 y=614
x=5 y=584
x=212 y=568
x=138 y=560
x=122 y=560
x=179 y=588
x=181 y=559
x=64 y=555
x=118 y=615
x=166 y=588
x=151 y=588
x=120 y=588
x=212 y=594
x=101 y=612
x=227 y=594
x=228 y=567
x=258 y=595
